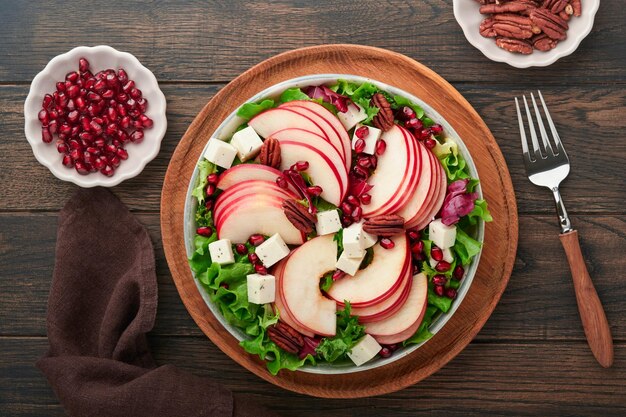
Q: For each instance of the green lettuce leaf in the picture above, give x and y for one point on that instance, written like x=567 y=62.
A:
x=326 y=282
x=422 y=334
x=349 y=332
x=465 y=246
x=361 y=94
x=480 y=211
x=249 y=110
x=293 y=94
x=403 y=101
x=442 y=303
x=204 y=169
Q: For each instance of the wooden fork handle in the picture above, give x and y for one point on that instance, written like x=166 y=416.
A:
x=589 y=306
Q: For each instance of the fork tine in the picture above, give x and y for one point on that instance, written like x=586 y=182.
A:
x=533 y=134
x=522 y=133
x=542 y=129
x=555 y=135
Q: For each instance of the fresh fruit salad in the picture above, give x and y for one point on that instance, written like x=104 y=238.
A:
x=334 y=225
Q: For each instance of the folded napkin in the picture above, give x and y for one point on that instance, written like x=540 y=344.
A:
x=102 y=303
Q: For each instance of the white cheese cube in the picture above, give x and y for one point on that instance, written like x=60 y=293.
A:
x=352 y=236
x=221 y=251
x=447 y=256
x=349 y=265
x=365 y=350
x=247 y=142
x=368 y=240
x=261 y=288
x=220 y=153
x=442 y=235
x=370 y=140
x=327 y=222
x=272 y=250
x=354 y=115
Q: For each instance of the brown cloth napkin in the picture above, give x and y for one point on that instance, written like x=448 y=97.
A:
x=102 y=303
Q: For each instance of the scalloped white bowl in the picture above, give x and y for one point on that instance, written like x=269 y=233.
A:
x=469 y=18
x=100 y=58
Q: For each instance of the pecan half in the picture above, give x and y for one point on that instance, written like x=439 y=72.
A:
x=576 y=7
x=270 y=153
x=486 y=28
x=299 y=216
x=555 y=6
x=513 y=26
x=384 y=118
x=563 y=15
x=285 y=337
x=550 y=24
x=385 y=225
x=515 y=45
x=510 y=7
x=543 y=42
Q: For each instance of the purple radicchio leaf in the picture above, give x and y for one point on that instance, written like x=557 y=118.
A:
x=310 y=344
x=329 y=96
x=458 y=202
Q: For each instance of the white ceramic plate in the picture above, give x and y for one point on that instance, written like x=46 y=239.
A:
x=100 y=58
x=225 y=131
x=469 y=18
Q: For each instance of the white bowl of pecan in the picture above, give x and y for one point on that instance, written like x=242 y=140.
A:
x=526 y=33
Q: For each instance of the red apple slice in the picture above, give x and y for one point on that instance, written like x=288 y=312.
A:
x=437 y=201
x=273 y=120
x=331 y=120
x=394 y=174
x=300 y=285
x=425 y=186
x=254 y=214
x=322 y=169
x=389 y=306
x=284 y=314
x=399 y=326
x=245 y=172
x=433 y=194
x=378 y=280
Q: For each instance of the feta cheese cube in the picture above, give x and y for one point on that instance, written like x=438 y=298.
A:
x=221 y=251
x=370 y=140
x=349 y=265
x=368 y=240
x=327 y=222
x=247 y=142
x=442 y=235
x=365 y=350
x=351 y=240
x=447 y=256
x=272 y=250
x=220 y=153
x=354 y=115
x=261 y=288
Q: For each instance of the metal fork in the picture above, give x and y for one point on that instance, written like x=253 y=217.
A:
x=547 y=166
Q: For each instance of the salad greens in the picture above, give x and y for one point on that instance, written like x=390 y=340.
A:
x=226 y=284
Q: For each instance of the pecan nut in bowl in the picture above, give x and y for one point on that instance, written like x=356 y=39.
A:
x=510 y=7
x=270 y=153
x=299 y=216
x=384 y=118
x=515 y=45
x=486 y=28
x=514 y=26
x=550 y=24
x=543 y=42
x=385 y=225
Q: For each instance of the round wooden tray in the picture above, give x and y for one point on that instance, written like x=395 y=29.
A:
x=500 y=243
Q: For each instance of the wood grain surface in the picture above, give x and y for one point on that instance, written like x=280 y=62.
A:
x=530 y=358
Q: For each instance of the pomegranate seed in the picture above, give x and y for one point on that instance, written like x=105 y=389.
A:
x=88 y=158
x=458 y=272
x=387 y=243
x=381 y=146
x=282 y=183
x=122 y=76
x=352 y=200
x=108 y=94
x=357 y=213
x=146 y=121
x=417 y=247
x=86 y=136
x=100 y=85
x=408 y=113
x=364 y=161
x=137 y=136
x=208 y=204
x=43 y=117
x=111 y=114
x=451 y=293
x=360 y=172
x=89 y=83
x=442 y=266
x=436 y=129
x=414 y=235
x=338 y=274
x=74 y=144
x=52 y=126
x=81 y=168
x=430 y=143
x=68 y=161
x=136 y=123
x=135 y=93
x=260 y=269
x=125 y=122
x=110 y=148
x=115 y=161
x=111 y=129
x=241 y=248
x=46 y=136
x=99 y=163
x=91 y=96
x=111 y=80
x=60 y=88
x=108 y=170
x=71 y=105
x=366 y=199
x=346 y=207
x=121 y=110
x=72 y=116
x=439 y=279
x=253 y=258
x=439 y=290
x=204 y=231
x=76 y=154
x=362 y=132
x=47 y=101
x=314 y=190
x=53 y=114
x=373 y=161
x=346 y=220
x=212 y=178
x=122 y=97
x=385 y=352
x=210 y=189
x=93 y=150
x=61 y=146
x=130 y=84
x=99 y=142
x=359 y=146
x=80 y=103
x=142 y=104
x=72 y=77
x=65 y=129
x=256 y=240
x=436 y=253
x=301 y=165
x=73 y=91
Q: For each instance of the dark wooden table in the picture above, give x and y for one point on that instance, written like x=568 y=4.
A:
x=531 y=358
